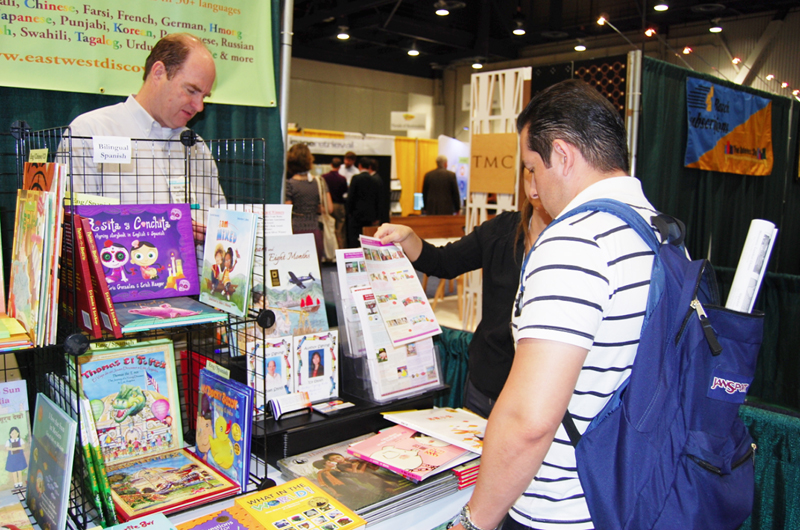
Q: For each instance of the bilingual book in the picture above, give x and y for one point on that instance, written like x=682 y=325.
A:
x=231 y=518
x=15 y=449
x=269 y=369
x=156 y=521
x=407 y=452
x=50 y=467
x=294 y=287
x=457 y=426
x=299 y=503
x=224 y=425
x=316 y=365
x=145 y=315
x=147 y=250
x=228 y=260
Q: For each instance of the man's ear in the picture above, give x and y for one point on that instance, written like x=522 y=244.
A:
x=158 y=71
x=562 y=153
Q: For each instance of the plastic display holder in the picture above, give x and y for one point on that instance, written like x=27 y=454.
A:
x=290 y=405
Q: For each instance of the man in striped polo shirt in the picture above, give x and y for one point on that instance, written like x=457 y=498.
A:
x=578 y=315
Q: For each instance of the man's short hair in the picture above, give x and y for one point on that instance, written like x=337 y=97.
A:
x=368 y=163
x=575 y=112
x=336 y=162
x=171 y=50
x=441 y=161
x=350 y=155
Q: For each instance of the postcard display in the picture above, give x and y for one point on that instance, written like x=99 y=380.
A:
x=165 y=272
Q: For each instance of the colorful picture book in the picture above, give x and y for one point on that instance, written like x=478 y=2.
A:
x=147 y=250
x=407 y=452
x=145 y=315
x=165 y=482
x=228 y=260
x=50 y=466
x=294 y=287
x=456 y=426
x=299 y=503
x=77 y=294
x=15 y=428
x=107 y=313
x=133 y=393
x=224 y=425
x=156 y=521
x=270 y=369
x=232 y=518
x=316 y=365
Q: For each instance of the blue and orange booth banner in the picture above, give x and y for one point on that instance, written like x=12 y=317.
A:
x=728 y=130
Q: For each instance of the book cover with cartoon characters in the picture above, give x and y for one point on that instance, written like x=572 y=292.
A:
x=147 y=250
x=133 y=393
x=407 y=452
x=15 y=436
x=228 y=260
x=224 y=420
x=459 y=427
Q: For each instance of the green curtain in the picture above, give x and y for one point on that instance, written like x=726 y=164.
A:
x=45 y=109
x=777 y=460
x=452 y=346
x=716 y=207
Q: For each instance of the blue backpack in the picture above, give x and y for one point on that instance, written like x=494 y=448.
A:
x=669 y=450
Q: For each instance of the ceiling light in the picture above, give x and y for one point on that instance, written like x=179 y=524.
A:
x=770 y=77
x=736 y=60
x=441 y=8
x=784 y=85
x=519 y=22
x=660 y=6
x=580 y=47
x=343 y=34
x=601 y=21
x=796 y=92
x=715 y=28
x=478 y=64
x=687 y=50
x=650 y=32
x=413 y=51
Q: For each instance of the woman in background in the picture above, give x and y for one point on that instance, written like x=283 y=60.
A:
x=498 y=246
x=302 y=192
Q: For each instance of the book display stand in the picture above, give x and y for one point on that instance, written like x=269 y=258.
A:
x=204 y=174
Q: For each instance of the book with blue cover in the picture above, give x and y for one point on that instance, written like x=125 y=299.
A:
x=147 y=250
x=50 y=469
x=224 y=424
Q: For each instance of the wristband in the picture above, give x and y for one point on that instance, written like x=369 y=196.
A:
x=466 y=519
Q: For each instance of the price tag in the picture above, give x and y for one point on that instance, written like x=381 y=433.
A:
x=217 y=369
x=38 y=156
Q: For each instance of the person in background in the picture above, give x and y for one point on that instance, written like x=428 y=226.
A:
x=349 y=170
x=302 y=192
x=440 y=195
x=498 y=246
x=337 y=185
x=365 y=198
x=577 y=319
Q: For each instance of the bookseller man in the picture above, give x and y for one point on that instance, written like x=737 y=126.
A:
x=178 y=76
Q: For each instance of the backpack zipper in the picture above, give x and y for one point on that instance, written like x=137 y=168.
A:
x=714 y=469
x=708 y=331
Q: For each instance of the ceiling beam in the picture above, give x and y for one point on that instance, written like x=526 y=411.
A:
x=747 y=74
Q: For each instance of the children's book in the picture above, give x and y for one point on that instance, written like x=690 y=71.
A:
x=77 y=303
x=133 y=392
x=38 y=176
x=232 y=518
x=12 y=513
x=228 y=260
x=224 y=425
x=156 y=521
x=270 y=369
x=147 y=250
x=102 y=296
x=25 y=280
x=50 y=467
x=316 y=365
x=15 y=449
x=407 y=452
x=456 y=426
x=299 y=503
x=294 y=287
x=165 y=482
x=145 y=315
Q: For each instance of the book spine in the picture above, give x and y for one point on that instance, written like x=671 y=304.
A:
x=109 y=510
x=366 y=458
x=109 y=319
x=86 y=278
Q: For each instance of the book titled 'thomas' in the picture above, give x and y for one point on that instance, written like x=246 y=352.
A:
x=299 y=504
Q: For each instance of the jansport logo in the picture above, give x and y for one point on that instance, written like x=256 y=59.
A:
x=731 y=387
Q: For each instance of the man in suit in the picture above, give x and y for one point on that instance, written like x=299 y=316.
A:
x=365 y=200
x=440 y=194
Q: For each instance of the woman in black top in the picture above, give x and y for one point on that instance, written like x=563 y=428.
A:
x=498 y=246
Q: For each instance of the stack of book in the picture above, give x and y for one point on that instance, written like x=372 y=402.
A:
x=373 y=492
x=467 y=473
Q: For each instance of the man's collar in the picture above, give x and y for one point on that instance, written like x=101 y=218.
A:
x=143 y=119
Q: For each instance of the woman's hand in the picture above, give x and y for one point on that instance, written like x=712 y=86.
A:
x=402 y=235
